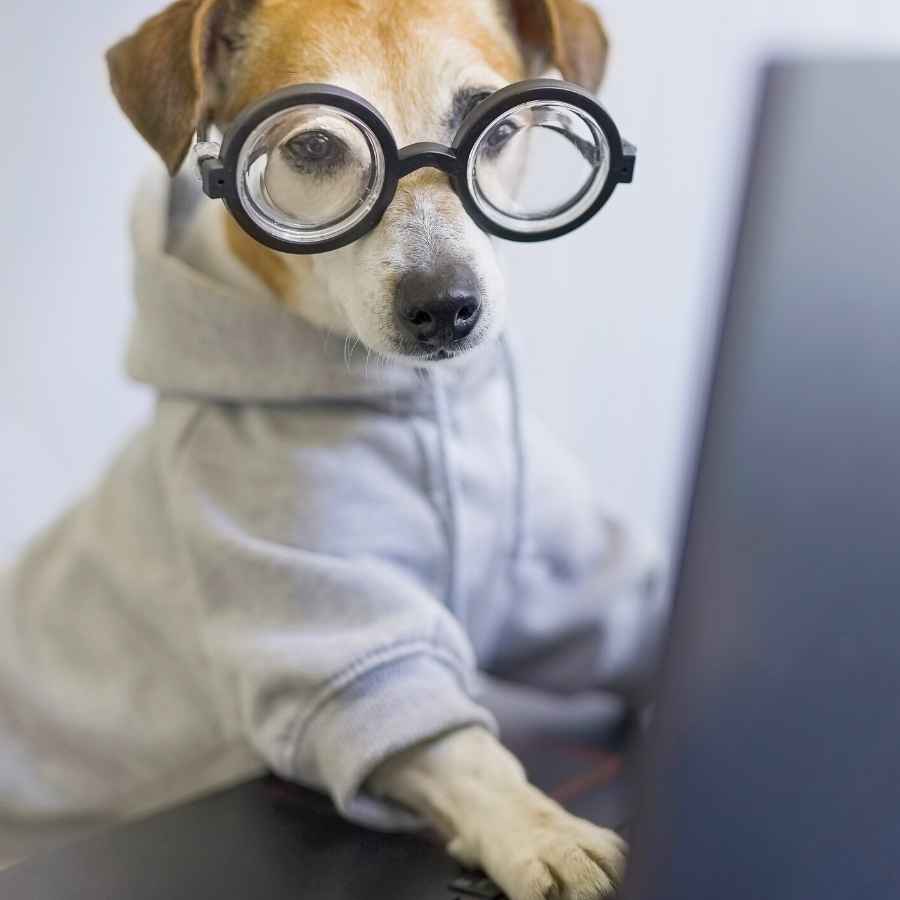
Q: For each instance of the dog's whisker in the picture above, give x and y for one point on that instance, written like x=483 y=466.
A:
x=347 y=351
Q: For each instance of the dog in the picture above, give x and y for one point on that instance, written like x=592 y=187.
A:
x=326 y=650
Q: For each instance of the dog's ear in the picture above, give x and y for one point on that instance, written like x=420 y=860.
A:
x=164 y=74
x=564 y=34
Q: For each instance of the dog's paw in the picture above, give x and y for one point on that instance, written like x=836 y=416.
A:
x=534 y=850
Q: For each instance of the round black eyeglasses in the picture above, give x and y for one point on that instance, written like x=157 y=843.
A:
x=313 y=167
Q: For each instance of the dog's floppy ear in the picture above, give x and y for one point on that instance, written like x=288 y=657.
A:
x=565 y=34
x=160 y=75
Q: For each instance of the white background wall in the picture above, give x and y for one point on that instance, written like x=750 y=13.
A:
x=615 y=318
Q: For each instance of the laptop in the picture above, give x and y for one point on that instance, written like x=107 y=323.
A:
x=773 y=765
x=773 y=761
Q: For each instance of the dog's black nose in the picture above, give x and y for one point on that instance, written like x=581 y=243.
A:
x=438 y=308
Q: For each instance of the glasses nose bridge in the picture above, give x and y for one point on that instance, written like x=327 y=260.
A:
x=427 y=155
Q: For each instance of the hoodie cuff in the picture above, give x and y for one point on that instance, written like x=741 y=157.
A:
x=385 y=710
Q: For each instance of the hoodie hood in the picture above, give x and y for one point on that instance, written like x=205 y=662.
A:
x=199 y=337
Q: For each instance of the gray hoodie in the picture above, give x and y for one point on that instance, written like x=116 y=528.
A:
x=306 y=562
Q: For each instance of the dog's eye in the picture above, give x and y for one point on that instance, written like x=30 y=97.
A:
x=314 y=150
x=500 y=135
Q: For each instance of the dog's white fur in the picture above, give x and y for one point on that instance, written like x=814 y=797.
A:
x=465 y=783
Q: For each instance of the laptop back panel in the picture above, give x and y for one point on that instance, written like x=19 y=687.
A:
x=773 y=768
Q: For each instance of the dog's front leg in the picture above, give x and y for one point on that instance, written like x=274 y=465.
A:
x=475 y=793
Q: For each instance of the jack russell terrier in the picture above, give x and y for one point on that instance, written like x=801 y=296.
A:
x=339 y=523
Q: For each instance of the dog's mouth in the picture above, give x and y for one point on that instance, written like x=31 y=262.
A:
x=438 y=355
x=417 y=354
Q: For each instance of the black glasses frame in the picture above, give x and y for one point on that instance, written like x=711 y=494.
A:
x=219 y=173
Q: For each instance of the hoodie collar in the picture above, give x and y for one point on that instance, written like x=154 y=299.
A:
x=193 y=335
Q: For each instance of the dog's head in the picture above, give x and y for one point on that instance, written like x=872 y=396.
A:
x=424 y=285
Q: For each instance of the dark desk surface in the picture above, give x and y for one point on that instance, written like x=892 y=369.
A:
x=266 y=839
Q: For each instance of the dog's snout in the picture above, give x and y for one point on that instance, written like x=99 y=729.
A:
x=439 y=308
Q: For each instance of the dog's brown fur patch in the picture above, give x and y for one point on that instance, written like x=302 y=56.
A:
x=294 y=41
x=270 y=267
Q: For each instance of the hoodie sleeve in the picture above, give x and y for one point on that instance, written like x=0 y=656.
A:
x=590 y=607
x=327 y=645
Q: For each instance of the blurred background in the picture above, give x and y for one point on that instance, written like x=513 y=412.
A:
x=618 y=376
